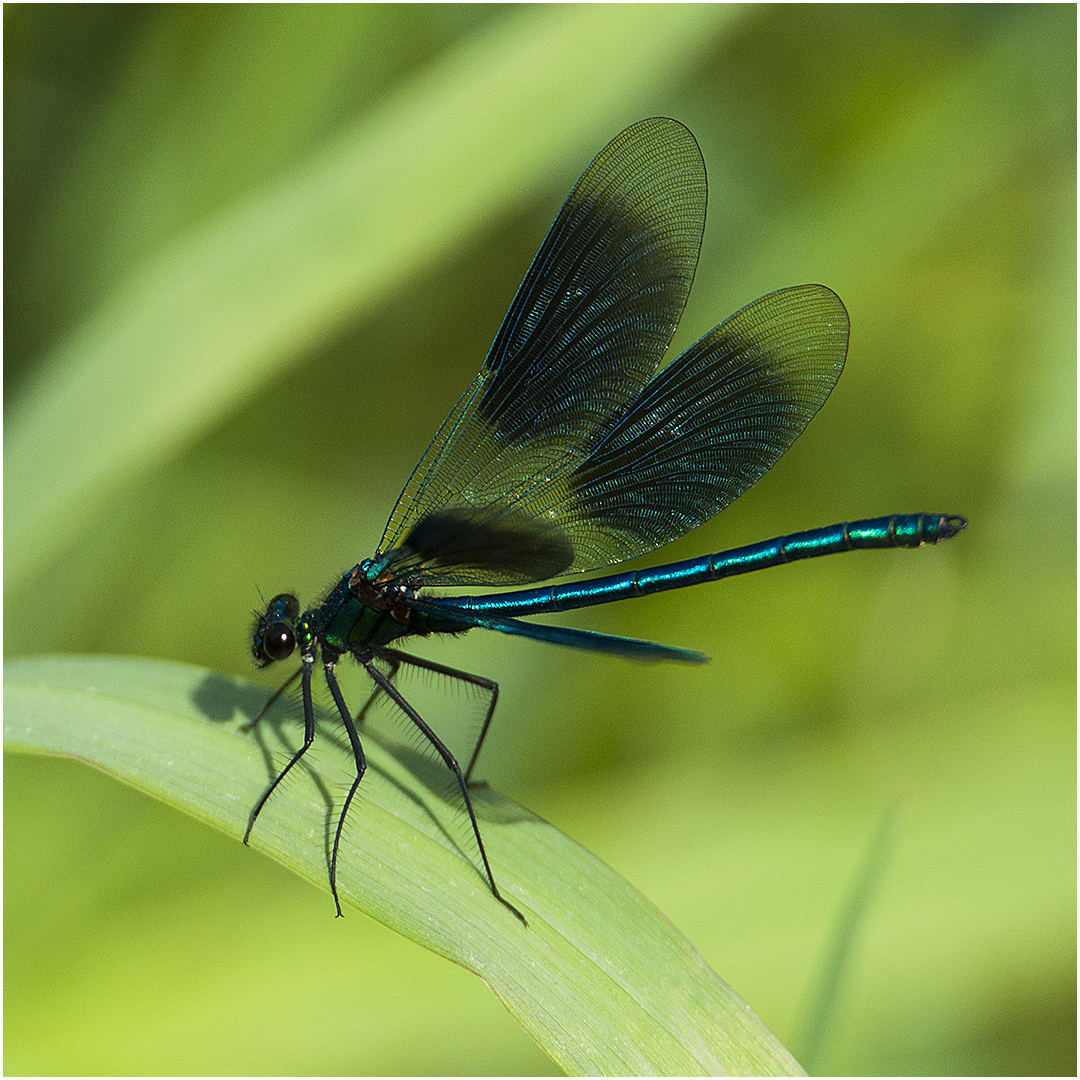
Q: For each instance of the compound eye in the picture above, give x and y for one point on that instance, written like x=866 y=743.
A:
x=278 y=641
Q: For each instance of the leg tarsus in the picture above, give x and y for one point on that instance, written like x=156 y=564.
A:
x=361 y=768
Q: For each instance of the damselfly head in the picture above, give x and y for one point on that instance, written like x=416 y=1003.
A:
x=274 y=634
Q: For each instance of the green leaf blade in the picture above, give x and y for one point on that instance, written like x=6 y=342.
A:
x=600 y=979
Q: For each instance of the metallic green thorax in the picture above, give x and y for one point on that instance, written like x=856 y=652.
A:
x=360 y=615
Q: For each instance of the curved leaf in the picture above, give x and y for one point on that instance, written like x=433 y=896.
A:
x=600 y=979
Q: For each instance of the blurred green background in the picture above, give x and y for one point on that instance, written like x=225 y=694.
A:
x=254 y=254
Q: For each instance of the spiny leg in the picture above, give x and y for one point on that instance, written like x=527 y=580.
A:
x=395 y=659
x=488 y=685
x=451 y=763
x=361 y=768
x=309 y=738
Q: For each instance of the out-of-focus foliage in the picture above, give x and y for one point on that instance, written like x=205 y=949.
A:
x=253 y=254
